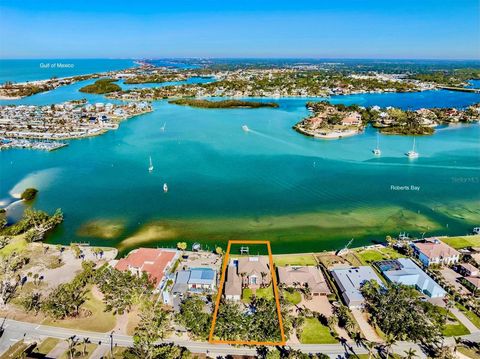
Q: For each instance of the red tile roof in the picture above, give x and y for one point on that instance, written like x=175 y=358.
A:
x=150 y=260
x=434 y=248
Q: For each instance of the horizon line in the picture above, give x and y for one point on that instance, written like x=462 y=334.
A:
x=246 y=58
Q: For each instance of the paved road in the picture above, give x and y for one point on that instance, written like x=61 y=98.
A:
x=15 y=330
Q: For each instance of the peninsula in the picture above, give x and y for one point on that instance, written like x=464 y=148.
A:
x=329 y=121
x=72 y=119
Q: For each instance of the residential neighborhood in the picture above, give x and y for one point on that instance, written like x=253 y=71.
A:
x=72 y=119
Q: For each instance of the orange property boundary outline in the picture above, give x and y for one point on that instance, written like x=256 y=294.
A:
x=220 y=293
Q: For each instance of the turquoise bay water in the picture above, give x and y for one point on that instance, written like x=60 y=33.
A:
x=271 y=183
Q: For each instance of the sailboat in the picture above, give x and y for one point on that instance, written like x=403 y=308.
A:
x=165 y=188
x=150 y=168
x=163 y=127
x=376 y=151
x=412 y=153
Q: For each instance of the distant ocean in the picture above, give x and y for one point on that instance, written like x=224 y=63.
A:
x=42 y=69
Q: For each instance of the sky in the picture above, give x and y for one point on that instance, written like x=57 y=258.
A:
x=390 y=29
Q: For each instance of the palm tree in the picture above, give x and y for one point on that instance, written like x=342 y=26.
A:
x=369 y=346
x=72 y=342
x=390 y=340
x=85 y=342
x=410 y=353
x=263 y=274
x=332 y=321
x=243 y=274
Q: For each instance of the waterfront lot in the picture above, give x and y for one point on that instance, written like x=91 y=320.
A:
x=378 y=253
x=462 y=241
x=294 y=260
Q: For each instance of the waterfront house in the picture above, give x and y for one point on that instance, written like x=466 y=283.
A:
x=155 y=262
x=252 y=272
x=195 y=280
x=349 y=282
x=433 y=251
x=405 y=271
x=467 y=270
x=308 y=277
x=352 y=119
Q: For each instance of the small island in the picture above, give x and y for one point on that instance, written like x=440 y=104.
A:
x=29 y=194
x=222 y=104
x=101 y=86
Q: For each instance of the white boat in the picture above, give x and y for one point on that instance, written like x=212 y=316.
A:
x=150 y=168
x=245 y=128
x=412 y=153
x=376 y=151
x=165 y=188
x=163 y=127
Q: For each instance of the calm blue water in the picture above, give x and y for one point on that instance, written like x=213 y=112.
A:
x=271 y=183
x=474 y=84
x=29 y=70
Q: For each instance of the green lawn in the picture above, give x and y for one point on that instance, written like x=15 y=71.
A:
x=79 y=348
x=16 y=350
x=462 y=241
x=475 y=319
x=367 y=256
x=266 y=293
x=294 y=298
x=46 y=346
x=469 y=353
x=17 y=244
x=455 y=328
x=295 y=260
x=313 y=332
x=99 y=321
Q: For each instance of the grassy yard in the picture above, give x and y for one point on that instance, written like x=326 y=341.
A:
x=99 y=321
x=294 y=260
x=79 y=349
x=475 y=319
x=16 y=350
x=17 y=244
x=462 y=241
x=313 y=332
x=469 y=353
x=118 y=352
x=46 y=346
x=367 y=256
x=294 y=298
x=266 y=293
x=454 y=328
